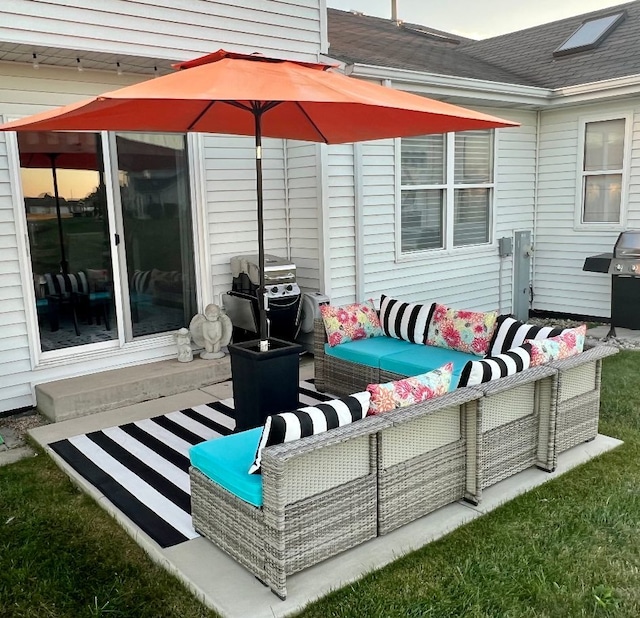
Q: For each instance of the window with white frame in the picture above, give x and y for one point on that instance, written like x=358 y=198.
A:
x=602 y=171
x=446 y=190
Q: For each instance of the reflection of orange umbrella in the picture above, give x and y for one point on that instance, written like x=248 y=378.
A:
x=82 y=151
x=242 y=94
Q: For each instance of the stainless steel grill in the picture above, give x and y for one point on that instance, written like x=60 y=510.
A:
x=282 y=296
x=623 y=264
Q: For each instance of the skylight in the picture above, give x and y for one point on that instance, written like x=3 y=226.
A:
x=590 y=34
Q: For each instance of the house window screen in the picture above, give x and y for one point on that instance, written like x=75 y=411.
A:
x=446 y=190
x=602 y=171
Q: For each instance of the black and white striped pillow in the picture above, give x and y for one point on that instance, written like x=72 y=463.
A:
x=309 y=421
x=494 y=367
x=141 y=281
x=63 y=285
x=511 y=333
x=408 y=321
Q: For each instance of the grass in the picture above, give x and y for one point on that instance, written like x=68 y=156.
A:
x=568 y=548
x=61 y=555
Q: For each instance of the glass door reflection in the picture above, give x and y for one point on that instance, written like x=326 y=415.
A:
x=62 y=177
x=158 y=232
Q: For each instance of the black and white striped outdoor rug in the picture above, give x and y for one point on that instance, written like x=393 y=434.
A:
x=143 y=467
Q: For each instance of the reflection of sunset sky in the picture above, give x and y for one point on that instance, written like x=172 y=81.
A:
x=72 y=184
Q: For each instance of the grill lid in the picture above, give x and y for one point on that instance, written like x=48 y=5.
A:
x=625 y=259
x=628 y=245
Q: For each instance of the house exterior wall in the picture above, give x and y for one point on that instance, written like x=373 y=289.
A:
x=225 y=177
x=342 y=191
x=472 y=278
x=304 y=217
x=560 y=285
x=231 y=202
x=165 y=29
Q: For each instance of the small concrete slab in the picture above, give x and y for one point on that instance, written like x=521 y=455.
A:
x=65 y=429
x=223 y=390
x=108 y=390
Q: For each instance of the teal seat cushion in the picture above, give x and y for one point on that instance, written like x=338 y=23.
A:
x=368 y=351
x=227 y=460
x=422 y=358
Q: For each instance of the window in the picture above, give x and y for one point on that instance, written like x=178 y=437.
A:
x=446 y=190
x=603 y=171
x=590 y=34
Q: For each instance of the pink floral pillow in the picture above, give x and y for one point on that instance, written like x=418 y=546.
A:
x=350 y=322
x=465 y=331
x=392 y=395
x=568 y=343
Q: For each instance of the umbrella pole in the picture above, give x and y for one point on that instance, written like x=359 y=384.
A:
x=64 y=265
x=262 y=297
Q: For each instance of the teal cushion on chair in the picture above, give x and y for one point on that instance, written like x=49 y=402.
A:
x=369 y=351
x=226 y=461
x=423 y=358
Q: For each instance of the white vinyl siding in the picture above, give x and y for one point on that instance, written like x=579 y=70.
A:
x=303 y=212
x=342 y=180
x=561 y=246
x=230 y=176
x=466 y=277
x=164 y=29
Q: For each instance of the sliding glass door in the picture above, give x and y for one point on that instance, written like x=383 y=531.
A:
x=158 y=249
x=81 y=230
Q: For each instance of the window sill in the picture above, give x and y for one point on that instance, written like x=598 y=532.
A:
x=428 y=254
x=599 y=227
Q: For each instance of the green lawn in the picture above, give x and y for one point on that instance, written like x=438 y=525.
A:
x=569 y=548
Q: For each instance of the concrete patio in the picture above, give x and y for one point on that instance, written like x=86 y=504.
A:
x=232 y=591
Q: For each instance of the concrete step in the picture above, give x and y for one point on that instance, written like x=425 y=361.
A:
x=108 y=390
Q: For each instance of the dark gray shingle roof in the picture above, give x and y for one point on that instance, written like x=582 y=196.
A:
x=524 y=57
x=375 y=41
x=530 y=52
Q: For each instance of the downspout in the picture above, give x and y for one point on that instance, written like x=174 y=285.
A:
x=287 y=207
x=536 y=184
x=358 y=221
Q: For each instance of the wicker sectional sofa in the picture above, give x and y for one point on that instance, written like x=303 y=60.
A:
x=330 y=492
x=523 y=420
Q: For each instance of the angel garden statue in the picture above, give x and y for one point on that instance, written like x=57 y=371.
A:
x=211 y=330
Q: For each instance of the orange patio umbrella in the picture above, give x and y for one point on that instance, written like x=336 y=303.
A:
x=241 y=94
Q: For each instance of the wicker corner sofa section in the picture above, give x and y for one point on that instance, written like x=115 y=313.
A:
x=319 y=499
x=330 y=492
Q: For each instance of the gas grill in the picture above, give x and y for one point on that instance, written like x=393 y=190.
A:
x=282 y=297
x=624 y=267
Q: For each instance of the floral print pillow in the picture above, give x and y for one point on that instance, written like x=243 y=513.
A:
x=568 y=343
x=392 y=395
x=465 y=331
x=350 y=322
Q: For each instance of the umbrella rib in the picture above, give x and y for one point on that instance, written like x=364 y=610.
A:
x=200 y=115
x=312 y=123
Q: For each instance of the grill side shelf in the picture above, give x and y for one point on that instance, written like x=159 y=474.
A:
x=598 y=263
